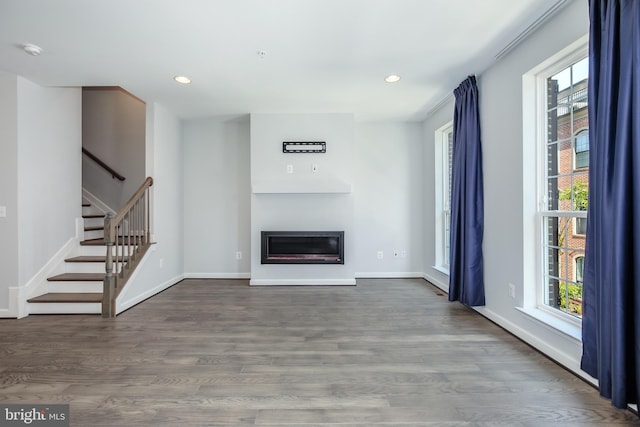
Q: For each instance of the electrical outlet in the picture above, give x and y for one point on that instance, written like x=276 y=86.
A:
x=314 y=168
x=289 y=168
x=380 y=254
x=161 y=262
x=238 y=255
x=512 y=290
x=3 y=211
x=396 y=254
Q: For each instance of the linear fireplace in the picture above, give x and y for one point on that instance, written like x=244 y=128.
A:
x=302 y=247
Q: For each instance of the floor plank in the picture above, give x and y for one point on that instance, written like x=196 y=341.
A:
x=217 y=352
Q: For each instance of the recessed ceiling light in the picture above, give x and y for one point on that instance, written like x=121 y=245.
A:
x=182 y=79
x=392 y=78
x=32 y=49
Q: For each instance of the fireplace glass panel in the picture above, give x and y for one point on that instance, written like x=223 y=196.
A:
x=302 y=247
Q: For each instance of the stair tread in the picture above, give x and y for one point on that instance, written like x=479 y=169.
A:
x=93 y=242
x=93 y=215
x=78 y=277
x=96 y=228
x=68 y=297
x=85 y=258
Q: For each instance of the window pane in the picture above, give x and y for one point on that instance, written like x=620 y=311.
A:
x=447 y=237
x=449 y=163
x=579 y=268
x=582 y=159
x=570 y=298
x=579 y=99
x=581 y=70
x=553 y=292
x=552 y=194
x=580 y=191
x=582 y=149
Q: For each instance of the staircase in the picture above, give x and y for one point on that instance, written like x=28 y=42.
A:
x=79 y=289
x=94 y=276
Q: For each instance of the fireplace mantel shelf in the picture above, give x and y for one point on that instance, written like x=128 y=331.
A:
x=301 y=186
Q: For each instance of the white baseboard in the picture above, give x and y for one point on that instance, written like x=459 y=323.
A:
x=302 y=282
x=12 y=311
x=217 y=275
x=560 y=357
x=438 y=283
x=96 y=202
x=389 y=275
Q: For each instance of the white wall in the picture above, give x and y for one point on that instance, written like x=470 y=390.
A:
x=217 y=197
x=164 y=266
x=500 y=94
x=388 y=199
x=302 y=211
x=8 y=187
x=49 y=172
x=387 y=176
x=113 y=128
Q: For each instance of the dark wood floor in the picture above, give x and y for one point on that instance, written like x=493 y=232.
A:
x=216 y=352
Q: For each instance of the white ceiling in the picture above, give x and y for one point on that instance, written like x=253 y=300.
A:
x=321 y=55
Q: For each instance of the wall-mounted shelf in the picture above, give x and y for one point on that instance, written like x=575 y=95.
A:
x=301 y=186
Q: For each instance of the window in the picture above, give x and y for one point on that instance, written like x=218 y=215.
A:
x=444 y=153
x=564 y=180
x=579 y=268
x=582 y=149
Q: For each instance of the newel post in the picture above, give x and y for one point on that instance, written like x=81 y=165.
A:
x=109 y=285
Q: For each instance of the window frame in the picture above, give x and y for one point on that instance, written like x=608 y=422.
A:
x=534 y=86
x=442 y=192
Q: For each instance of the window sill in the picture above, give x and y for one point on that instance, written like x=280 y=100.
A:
x=441 y=269
x=566 y=327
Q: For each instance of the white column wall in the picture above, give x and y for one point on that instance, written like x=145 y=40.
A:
x=49 y=172
x=8 y=188
x=217 y=197
x=388 y=209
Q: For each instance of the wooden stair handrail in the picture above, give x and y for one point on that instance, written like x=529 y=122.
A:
x=132 y=200
x=127 y=236
x=103 y=165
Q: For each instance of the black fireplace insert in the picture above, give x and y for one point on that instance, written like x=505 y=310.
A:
x=302 y=247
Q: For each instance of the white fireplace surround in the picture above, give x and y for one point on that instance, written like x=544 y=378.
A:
x=302 y=186
x=302 y=191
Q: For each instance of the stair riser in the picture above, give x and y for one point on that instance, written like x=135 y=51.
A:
x=93 y=222
x=91 y=210
x=94 y=234
x=75 y=287
x=102 y=250
x=84 y=267
x=65 y=308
